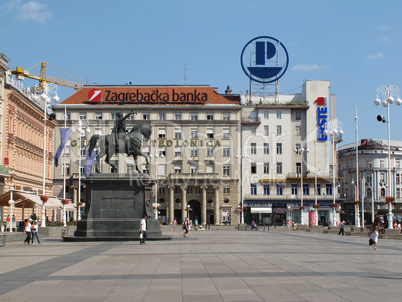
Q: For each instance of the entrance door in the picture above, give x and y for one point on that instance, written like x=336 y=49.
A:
x=195 y=210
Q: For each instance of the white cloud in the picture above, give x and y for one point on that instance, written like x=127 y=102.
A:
x=376 y=56
x=32 y=10
x=308 y=67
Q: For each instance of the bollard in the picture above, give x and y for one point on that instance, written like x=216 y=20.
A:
x=2 y=240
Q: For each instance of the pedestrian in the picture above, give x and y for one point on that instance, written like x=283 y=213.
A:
x=174 y=225
x=209 y=222
x=27 y=231
x=143 y=230
x=375 y=230
x=196 y=224
x=342 y=228
x=34 y=230
x=288 y=225
x=185 y=228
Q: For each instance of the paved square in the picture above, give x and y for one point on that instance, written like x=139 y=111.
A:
x=208 y=266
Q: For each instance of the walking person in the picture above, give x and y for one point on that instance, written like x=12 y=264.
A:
x=143 y=230
x=375 y=230
x=185 y=228
x=34 y=231
x=342 y=228
x=27 y=231
x=174 y=225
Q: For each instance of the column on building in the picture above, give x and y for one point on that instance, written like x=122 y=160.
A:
x=75 y=200
x=216 y=206
x=204 y=205
x=171 y=205
x=183 y=202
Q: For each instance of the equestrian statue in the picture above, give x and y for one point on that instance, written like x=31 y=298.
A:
x=120 y=141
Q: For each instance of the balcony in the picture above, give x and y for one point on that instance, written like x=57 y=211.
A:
x=250 y=121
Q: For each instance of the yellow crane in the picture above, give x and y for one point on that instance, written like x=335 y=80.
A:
x=20 y=74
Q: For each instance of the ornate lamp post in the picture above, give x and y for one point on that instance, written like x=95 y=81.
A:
x=385 y=96
x=334 y=128
x=357 y=210
x=300 y=150
x=82 y=127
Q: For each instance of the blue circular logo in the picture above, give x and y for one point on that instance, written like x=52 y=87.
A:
x=268 y=59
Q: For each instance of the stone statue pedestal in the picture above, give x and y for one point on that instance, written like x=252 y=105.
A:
x=115 y=205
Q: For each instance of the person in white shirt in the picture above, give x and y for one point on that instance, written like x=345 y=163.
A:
x=34 y=231
x=143 y=230
x=27 y=231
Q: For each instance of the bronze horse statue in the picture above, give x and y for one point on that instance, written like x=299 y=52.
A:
x=132 y=146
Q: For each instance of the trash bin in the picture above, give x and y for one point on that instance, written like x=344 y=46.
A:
x=2 y=240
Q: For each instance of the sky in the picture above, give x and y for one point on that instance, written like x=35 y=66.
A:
x=356 y=45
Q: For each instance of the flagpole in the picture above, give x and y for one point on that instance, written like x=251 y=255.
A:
x=65 y=161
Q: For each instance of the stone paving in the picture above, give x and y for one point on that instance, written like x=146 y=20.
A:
x=216 y=265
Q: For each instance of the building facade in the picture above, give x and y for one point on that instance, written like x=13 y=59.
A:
x=370 y=187
x=284 y=144
x=191 y=150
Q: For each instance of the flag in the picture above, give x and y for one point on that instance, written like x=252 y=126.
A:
x=89 y=161
x=64 y=136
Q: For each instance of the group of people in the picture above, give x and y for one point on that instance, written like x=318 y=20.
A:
x=31 y=231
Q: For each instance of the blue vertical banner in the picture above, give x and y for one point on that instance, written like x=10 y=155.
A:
x=64 y=136
x=89 y=161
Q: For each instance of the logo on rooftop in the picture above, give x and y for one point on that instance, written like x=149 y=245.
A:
x=94 y=95
x=264 y=59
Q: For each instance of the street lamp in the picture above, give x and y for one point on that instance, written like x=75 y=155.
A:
x=44 y=93
x=300 y=150
x=241 y=186
x=334 y=128
x=385 y=96
x=357 y=210
x=82 y=127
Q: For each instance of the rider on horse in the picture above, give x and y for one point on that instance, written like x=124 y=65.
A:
x=119 y=130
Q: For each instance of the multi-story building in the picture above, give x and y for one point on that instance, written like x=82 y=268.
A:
x=370 y=188
x=22 y=143
x=284 y=143
x=195 y=137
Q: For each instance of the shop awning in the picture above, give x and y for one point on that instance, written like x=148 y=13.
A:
x=261 y=210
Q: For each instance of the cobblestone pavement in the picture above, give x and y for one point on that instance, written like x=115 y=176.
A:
x=207 y=266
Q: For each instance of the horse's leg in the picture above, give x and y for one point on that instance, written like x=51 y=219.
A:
x=109 y=154
x=136 y=163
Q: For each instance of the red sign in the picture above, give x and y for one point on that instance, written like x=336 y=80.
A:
x=94 y=95
x=320 y=101
x=364 y=142
x=6 y=161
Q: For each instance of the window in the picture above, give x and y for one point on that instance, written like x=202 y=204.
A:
x=226 y=170
x=162 y=151
x=279 y=189
x=177 y=151
x=162 y=116
x=210 y=133
x=162 y=133
x=194 y=116
x=145 y=150
x=226 y=190
x=253 y=148
x=253 y=189
x=266 y=148
x=177 y=190
x=298 y=130
x=382 y=176
x=382 y=163
x=67 y=149
x=194 y=168
x=177 y=169
x=298 y=115
x=398 y=193
x=194 y=151
x=98 y=115
x=161 y=190
x=226 y=116
x=369 y=163
x=253 y=130
x=306 y=189
x=266 y=130
x=68 y=116
x=226 y=133
x=253 y=116
x=279 y=148
x=210 y=116
x=66 y=167
x=398 y=163
x=177 y=116
x=83 y=150
x=209 y=168
x=279 y=168
x=398 y=179
x=369 y=179
x=266 y=115
x=226 y=151
x=294 y=189
x=266 y=189
x=279 y=115
x=329 y=189
x=210 y=151
x=253 y=168
x=177 y=133
x=193 y=133
x=266 y=168
x=145 y=116
x=298 y=169
x=318 y=189
x=83 y=116
x=189 y=190
x=279 y=130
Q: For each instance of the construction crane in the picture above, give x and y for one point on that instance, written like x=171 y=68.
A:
x=20 y=74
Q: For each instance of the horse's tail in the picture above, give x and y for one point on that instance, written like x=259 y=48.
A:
x=92 y=143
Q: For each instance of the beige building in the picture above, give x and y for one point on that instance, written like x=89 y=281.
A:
x=191 y=151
